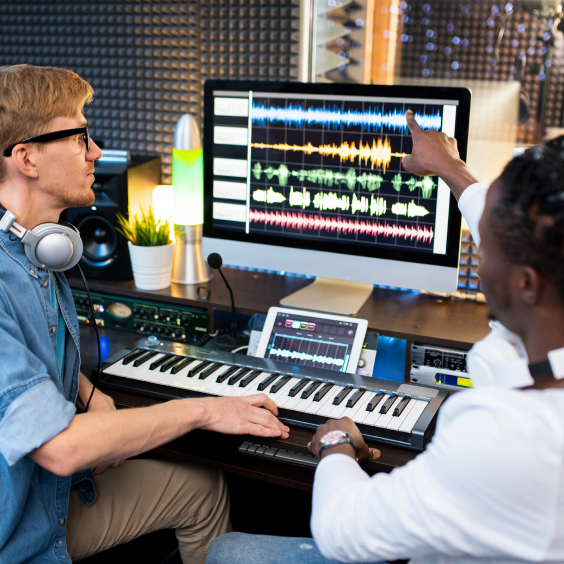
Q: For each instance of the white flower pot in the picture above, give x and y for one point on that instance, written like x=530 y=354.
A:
x=152 y=266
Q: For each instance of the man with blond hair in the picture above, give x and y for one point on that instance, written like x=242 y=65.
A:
x=58 y=502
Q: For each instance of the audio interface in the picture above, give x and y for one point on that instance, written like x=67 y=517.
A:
x=439 y=366
x=183 y=324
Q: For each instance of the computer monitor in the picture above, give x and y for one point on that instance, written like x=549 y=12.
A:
x=308 y=179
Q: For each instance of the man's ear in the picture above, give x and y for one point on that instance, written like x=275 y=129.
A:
x=530 y=285
x=24 y=161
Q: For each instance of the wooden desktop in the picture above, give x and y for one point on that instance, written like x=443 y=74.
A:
x=412 y=316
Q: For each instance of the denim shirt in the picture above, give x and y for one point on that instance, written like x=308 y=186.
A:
x=36 y=404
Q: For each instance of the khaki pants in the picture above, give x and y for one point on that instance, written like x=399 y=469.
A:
x=148 y=495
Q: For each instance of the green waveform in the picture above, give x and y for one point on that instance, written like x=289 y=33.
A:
x=269 y=196
x=411 y=209
x=426 y=184
x=327 y=177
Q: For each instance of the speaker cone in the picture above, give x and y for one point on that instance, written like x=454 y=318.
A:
x=99 y=238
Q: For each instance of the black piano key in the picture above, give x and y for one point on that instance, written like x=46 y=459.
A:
x=310 y=389
x=280 y=384
x=161 y=360
x=197 y=369
x=249 y=378
x=178 y=367
x=143 y=359
x=236 y=377
x=209 y=371
x=375 y=401
x=342 y=395
x=401 y=406
x=296 y=389
x=170 y=363
x=321 y=394
x=266 y=382
x=385 y=408
x=133 y=355
x=224 y=375
x=352 y=401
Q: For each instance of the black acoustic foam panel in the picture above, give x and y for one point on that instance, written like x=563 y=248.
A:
x=148 y=59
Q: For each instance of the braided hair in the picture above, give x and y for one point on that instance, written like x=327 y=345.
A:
x=529 y=215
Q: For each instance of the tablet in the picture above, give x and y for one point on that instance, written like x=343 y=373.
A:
x=314 y=339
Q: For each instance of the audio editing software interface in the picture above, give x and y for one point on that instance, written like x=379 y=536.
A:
x=310 y=341
x=328 y=169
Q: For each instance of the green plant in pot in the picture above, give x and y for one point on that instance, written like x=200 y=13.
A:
x=150 y=248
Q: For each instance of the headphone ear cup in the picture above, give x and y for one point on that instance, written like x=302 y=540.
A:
x=57 y=247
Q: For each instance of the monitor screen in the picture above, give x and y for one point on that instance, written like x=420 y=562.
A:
x=319 y=167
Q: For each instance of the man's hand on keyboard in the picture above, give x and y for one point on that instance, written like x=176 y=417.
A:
x=244 y=416
x=434 y=153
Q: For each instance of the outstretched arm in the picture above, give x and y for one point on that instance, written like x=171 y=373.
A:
x=99 y=438
x=434 y=153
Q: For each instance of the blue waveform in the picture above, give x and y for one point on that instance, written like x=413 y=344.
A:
x=333 y=117
x=294 y=355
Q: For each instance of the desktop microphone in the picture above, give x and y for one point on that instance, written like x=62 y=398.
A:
x=231 y=341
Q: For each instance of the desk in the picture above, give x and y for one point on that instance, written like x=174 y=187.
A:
x=407 y=315
x=394 y=313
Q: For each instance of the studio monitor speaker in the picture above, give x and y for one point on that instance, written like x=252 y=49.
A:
x=119 y=187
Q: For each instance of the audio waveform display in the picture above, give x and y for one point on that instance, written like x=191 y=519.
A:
x=379 y=154
x=269 y=196
x=333 y=117
x=411 y=209
x=330 y=201
x=294 y=355
x=340 y=225
x=426 y=184
x=327 y=177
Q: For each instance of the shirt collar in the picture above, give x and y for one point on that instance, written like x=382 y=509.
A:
x=14 y=248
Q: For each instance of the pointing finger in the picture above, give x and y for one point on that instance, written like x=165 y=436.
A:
x=411 y=123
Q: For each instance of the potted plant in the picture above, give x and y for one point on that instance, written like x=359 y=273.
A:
x=150 y=248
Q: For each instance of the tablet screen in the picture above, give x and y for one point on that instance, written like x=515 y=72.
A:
x=326 y=342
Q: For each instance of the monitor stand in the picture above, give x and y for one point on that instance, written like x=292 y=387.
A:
x=330 y=296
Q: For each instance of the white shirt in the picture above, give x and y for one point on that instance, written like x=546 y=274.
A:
x=488 y=486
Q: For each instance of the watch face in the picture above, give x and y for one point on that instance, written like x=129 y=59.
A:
x=332 y=436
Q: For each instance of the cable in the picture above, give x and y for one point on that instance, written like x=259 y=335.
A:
x=97 y=335
x=239 y=349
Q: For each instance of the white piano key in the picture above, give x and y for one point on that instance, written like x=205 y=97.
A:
x=207 y=386
x=251 y=389
x=293 y=403
x=396 y=422
x=360 y=405
x=416 y=412
x=361 y=412
x=385 y=418
x=326 y=407
x=280 y=396
x=284 y=400
x=144 y=372
x=315 y=406
x=373 y=416
x=141 y=372
x=117 y=368
x=338 y=410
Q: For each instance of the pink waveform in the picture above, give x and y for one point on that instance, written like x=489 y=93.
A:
x=317 y=222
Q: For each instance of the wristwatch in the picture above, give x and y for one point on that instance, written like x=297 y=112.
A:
x=333 y=438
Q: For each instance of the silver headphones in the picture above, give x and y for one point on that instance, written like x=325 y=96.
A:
x=53 y=246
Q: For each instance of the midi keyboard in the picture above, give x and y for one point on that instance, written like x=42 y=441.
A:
x=387 y=412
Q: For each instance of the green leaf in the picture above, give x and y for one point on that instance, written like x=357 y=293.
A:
x=143 y=229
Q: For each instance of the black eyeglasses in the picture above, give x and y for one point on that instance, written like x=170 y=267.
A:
x=46 y=137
